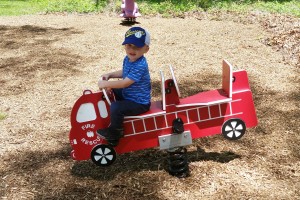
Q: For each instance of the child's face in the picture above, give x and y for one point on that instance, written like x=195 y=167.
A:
x=133 y=52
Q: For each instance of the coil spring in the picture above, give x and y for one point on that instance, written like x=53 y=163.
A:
x=178 y=163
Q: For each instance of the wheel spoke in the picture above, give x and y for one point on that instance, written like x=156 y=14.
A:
x=237 y=133
x=233 y=124
x=228 y=128
x=230 y=134
x=97 y=158
x=99 y=151
x=109 y=157
x=103 y=161
x=234 y=129
x=106 y=151
x=103 y=155
x=239 y=127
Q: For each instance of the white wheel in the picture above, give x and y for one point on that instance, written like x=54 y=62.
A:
x=103 y=155
x=233 y=129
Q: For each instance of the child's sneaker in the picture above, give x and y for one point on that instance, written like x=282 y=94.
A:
x=111 y=135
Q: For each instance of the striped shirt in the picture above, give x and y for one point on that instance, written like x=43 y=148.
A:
x=140 y=90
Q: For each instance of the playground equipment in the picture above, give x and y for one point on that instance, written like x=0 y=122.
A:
x=170 y=124
x=130 y=10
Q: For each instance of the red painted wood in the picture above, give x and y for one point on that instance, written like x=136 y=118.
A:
x=204 y=98
x=203 y=114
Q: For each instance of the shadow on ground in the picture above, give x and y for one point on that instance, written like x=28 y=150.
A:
x=29 y=50
x=32 y=166
x=85 y=180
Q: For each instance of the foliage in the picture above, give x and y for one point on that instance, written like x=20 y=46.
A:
x=162 y=7
x=2 y=116
x=81 y=6
x=291 y=7
x=177 y=7
x=22 y=7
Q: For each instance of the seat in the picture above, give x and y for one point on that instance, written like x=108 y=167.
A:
x=175 y=81
x=227 y=78
x=213 y=96
x=157 y=107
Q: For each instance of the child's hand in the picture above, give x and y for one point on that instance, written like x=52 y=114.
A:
x=102 y=84
x=105 y=77
x=108 y=90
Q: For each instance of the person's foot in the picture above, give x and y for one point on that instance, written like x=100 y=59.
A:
x=103 y=133
x=111 y=135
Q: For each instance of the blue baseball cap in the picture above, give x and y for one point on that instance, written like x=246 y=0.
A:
x=137 y=36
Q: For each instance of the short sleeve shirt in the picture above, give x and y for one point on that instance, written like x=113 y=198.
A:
x=138 y=71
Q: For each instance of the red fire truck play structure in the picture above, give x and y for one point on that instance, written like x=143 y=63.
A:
x=170 y=123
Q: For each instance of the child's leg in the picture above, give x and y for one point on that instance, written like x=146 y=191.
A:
x=118 y=94
x=119 y=109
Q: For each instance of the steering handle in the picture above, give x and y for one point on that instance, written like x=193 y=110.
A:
x=106 y=96
x=105 y=93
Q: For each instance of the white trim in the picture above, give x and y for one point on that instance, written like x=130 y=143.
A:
x=138 y=117
x=102 y=109
x=163 y=92
x=198 y=112
x=86 y=113
x=220 y=111
x=199 y=118
x=187 y=116
x=155 y=122
x=133 y=127
x=174 y=79
x=144 y=116
x=230 y=107
x=205 y=104
x=240 y=113
x=166 y=121
x=145 y=128
x=239 y=91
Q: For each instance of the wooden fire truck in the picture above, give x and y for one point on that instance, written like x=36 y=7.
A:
x=170 y=123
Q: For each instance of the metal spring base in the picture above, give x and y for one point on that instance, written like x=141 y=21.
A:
x=178 y=163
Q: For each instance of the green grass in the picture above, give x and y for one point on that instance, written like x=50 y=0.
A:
x=291 y=7
x=11 y=7
x=178 y=7
x=163 y=7
x=2 y=116
x=81 y=6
